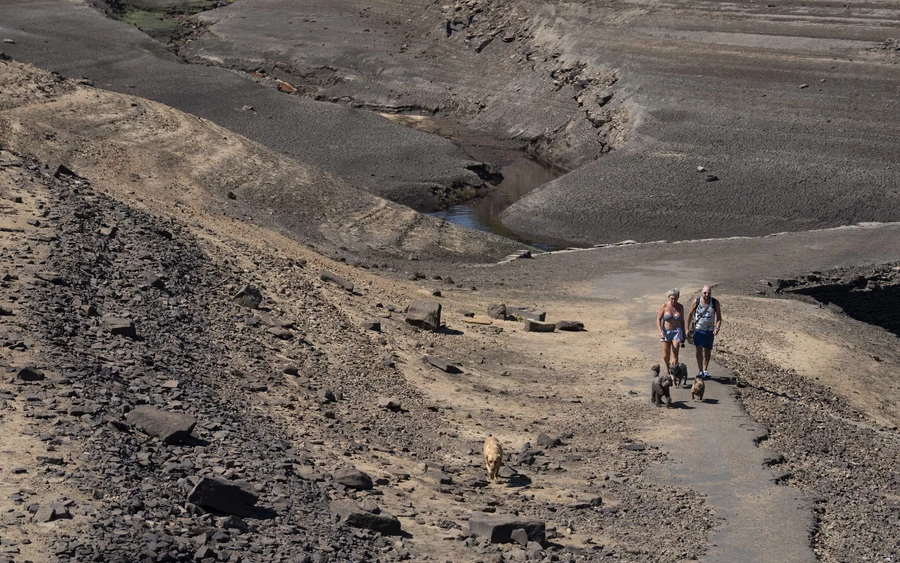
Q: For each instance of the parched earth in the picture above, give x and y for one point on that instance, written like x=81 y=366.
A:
x=120 y=213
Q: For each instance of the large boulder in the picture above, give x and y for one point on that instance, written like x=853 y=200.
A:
x=170 y=427
x=424 y=314
x=230 y=497
x=499 y=527
x=377 y=520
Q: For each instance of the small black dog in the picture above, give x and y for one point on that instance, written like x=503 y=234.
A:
x=679 y=373
x=660 y=388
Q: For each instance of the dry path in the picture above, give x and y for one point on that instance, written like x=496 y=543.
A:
x=711 y=446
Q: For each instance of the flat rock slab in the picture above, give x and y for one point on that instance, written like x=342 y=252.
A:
x=499 y=527
x=325 y=275
x=497 y=311
x=424 y=314
x=441 y=364
x=538 y=326
x=230 y=497
x=526 y=313
x=352 y=514
x=478 y=321
x=170 y=427
x=120 y=326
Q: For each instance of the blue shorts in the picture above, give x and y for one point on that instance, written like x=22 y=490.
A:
x=671 y=335
x=703 y=339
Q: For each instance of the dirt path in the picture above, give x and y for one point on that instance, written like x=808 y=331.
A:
x=711 y=447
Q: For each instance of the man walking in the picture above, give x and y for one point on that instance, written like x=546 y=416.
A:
x=705 y=322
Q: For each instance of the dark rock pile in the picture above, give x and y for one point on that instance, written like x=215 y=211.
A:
x=129 y=365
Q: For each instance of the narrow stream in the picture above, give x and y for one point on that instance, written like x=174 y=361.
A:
x=483 y=214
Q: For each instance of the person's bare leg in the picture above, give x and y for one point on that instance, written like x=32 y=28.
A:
x=675 y=350
x=700 y=358
x=667 y=347
x=706 y=355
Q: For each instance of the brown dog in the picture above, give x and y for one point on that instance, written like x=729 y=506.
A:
x=493 y=457
x=697 y=389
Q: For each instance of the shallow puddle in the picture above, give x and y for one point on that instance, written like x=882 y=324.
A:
x=483 y=214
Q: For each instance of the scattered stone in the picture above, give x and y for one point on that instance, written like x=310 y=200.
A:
x=424 y=314
x=248 y=296
x=545 y=441
x=352 y=514
x=441 y=364
x=571 y=326
x=389 y=403
x=327 y=396
x=325 y=275
x=523 y=313
x=498 y=528
x=519 y=536
x=371 y=325
x=169 y=427
x=353 y=478
x=538 y=326
x=497 y=311
x=230 y=497
x=30 y=374
x=119 y=326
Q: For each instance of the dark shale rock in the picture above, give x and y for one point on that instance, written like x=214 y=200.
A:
x=325 y=275
x=30 y=374
x=441 y=364
x=248 y=296
x=497 y=311
x=353 y=478
x=230 y=497
x=169 y=427
x=498 y=528
x=119 y=326
x=351 y=513
x=424 y=314
x=570 y=326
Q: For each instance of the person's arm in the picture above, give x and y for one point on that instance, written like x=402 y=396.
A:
x=659 y=316
x=718 y=317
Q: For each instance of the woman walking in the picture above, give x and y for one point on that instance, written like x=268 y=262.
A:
x=670 y=323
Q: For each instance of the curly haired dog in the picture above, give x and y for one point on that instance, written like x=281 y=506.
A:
x=660 y=387
x=493 y=457
x=697 y=389
x=679 y=373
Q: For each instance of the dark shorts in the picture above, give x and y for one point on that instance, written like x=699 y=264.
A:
x=703 y=339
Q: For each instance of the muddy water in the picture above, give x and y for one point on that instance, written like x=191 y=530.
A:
x=483 y=214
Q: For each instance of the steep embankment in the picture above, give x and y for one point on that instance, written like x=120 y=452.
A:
x=137 y=147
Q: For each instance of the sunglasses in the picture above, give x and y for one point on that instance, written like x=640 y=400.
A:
x=705 y=293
